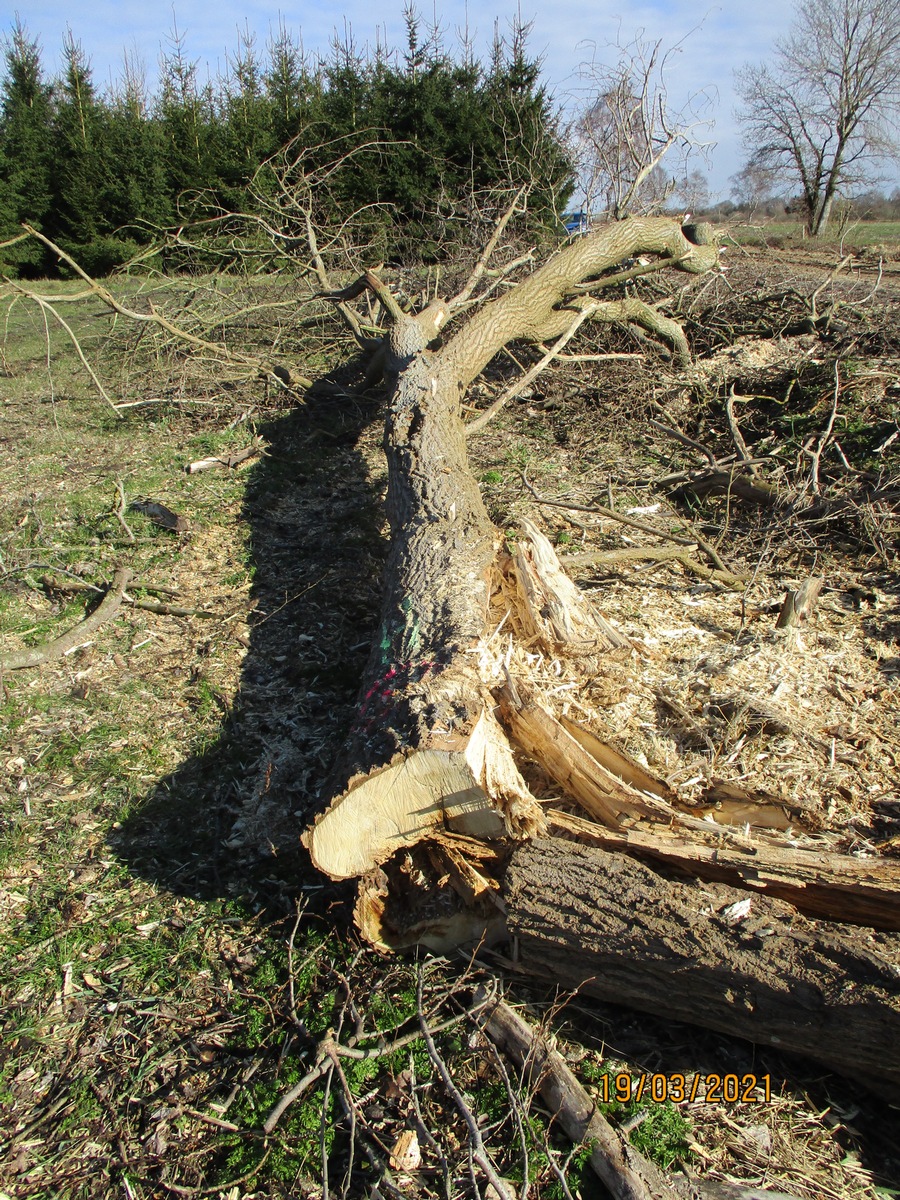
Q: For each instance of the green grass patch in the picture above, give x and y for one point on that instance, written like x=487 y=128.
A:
x=855 y=234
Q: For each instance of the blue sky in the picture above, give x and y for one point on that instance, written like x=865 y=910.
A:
x=565 y=33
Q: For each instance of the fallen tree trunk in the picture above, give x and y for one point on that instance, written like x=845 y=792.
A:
x=427 y=759
x=425 y=748
x=855 y=891
x=709 y=955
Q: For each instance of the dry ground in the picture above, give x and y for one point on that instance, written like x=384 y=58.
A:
x=169 y=957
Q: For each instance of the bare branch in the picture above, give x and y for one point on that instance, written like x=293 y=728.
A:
x=489 y=413
x=36 y=656
x=490 y=246
x=217 y=349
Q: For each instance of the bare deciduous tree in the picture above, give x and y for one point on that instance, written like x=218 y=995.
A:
x=628 y=126
x=825 y=111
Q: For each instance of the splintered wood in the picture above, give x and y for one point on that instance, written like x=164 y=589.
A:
x=451 y=844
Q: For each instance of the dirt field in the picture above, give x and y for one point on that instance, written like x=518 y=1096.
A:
x=171 y=959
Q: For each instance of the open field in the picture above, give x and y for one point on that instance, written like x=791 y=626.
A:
x=171 y=959
x=854 y=235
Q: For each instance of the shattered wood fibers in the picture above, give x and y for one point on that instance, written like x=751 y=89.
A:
x=709 y=691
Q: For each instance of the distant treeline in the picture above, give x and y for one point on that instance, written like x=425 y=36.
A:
x=99 y=171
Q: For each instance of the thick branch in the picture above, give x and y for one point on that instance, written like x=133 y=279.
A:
x=708 y=954
x=627 y=1174
x=526 y=311
x=36 y=656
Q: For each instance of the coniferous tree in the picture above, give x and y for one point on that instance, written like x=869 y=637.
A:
x=525 y=142
x=435 y=138
x=293 y=89
x=136 y=188
x=188 y=124
x=79 y=222
x=246 y=134
x=25 y=154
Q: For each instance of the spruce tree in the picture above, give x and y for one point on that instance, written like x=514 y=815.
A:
x=136 y=192
x=25 y=152
x=246 y=133
x=524 y=143
x=79 y=221
x=187 y=119
x=293 y=89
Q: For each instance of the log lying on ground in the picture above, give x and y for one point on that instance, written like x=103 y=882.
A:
x=857 y=891
x=423 y=695
x=709 y=955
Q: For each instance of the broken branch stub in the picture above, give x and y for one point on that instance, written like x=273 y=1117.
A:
x=473 y=788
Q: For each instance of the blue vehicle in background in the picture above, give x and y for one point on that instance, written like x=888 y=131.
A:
x=576 y=223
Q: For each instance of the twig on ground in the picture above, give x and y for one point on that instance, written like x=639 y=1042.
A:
x=323 y=1124
x=329 y=1046
x=735 y=431
x=816 y=455
x=592 y=358
x=154 y=606
x=120 y=511
x=292 y=998
x=423 y=1130
x=653 y=554
x=633 y=523
x=813 y=300
x=476 y=1143
x=686 y=441
x=36 y=656
x=516 y=1106
x=222 y=1188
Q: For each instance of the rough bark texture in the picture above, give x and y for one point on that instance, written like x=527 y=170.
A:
x=424 y=747
x=622 y=933
x=838 y=887
x=531 y=311
x=423 y=695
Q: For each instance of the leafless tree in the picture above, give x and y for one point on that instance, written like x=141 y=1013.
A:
x=628 y=125
x=755 y=185
x=825 y=111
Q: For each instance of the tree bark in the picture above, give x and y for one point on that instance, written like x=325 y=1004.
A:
x=838 y=887
x=425 y=749
x=617 y=930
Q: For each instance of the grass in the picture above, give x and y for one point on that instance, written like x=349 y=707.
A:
x=856 y=234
